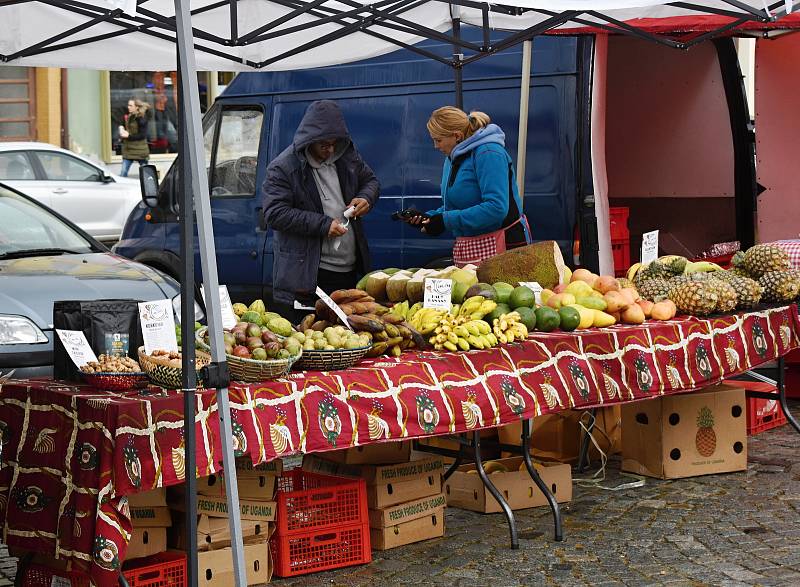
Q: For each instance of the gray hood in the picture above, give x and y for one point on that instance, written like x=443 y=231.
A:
x=30 y=286
x=322 y=121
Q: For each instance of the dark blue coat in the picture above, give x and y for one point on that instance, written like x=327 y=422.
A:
x=293 y=208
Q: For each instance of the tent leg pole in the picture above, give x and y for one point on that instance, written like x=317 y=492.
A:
x=458 y=70
x=195 y=153
x=524 y=97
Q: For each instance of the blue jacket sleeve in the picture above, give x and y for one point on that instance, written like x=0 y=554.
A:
x=491 y=169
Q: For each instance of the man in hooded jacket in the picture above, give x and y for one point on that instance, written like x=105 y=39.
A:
x=307 y=190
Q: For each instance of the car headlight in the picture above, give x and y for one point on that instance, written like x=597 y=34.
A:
x=176 y=305
x=19 y=330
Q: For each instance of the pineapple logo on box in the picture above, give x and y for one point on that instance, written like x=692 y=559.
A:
x=706 y=439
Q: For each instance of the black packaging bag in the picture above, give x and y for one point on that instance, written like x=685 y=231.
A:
x=110 y=326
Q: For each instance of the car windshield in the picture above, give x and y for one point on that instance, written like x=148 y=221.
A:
x=26 y=228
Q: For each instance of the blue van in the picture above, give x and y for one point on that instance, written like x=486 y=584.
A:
x=386 y=102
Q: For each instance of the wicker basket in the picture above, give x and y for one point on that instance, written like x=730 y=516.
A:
x=250 y=370
x=115 y=381
x=330 y=360
x=160 y=372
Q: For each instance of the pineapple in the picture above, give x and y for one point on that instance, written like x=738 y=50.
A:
x=779 y=286
x=655 y=270
x=624 y=282
x=748 y=292
x=761 y=259
x=694 y=297
x=654 y=289
x=706 y=439
x=726 y=295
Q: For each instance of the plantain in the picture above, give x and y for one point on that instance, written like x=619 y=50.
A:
x=320 y=325
x=364 y=324
x=377 y=349
x=391 y=318
x=344 y=296
x=307 y=322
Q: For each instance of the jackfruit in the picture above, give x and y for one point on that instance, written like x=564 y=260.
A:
x=541 y=262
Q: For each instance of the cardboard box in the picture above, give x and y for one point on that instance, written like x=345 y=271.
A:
x=215 y=567
x=245 y=468
x=557 y=437
x=146 y=542
x=214 y=533
x=405 y=512
x=257 y=486
x=154 y=498
x=466 y=490
x=387 y=484
x=217 y=507
x=661 y=437
x=151 y=517
x=383 y=453
x=425 y=528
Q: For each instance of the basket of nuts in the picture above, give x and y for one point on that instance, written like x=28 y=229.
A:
x=164 y=368
x=114 y=373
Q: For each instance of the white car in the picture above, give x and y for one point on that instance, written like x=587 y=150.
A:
x=79 y=189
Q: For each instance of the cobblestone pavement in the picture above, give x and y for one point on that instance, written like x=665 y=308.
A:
x=734 y=529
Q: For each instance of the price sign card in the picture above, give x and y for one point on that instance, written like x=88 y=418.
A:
x=77 y=347
x=333 y=306
x=437 y=293
x=535 y=288
x=229 y=319
x=650 y=246
x=158 y=326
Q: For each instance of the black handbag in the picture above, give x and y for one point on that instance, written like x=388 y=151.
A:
x=111 y=327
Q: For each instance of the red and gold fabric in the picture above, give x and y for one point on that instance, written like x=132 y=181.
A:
x=71 y=453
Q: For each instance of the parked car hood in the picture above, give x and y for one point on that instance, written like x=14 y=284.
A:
x=28 y=285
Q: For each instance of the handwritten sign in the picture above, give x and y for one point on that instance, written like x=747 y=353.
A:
x=77 y=347
x=229 y=319
x=437 y=293
x=650 y=246
x=158 y=326
x=333 y=306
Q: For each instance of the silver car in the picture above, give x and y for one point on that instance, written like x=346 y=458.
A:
x=44 y=258
x=79 y=189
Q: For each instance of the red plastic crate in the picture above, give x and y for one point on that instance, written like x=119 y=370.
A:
x=618 y=222
x=310 y=501
x=723 y=261
x=762 y=414
x=42 y=576
x=621 y=250
x=310 y=552
x=166 y=569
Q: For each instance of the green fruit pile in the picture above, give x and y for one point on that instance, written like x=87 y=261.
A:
x=248 y=340
x=333 y=338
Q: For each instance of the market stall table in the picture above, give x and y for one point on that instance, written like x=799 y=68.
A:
x=67 y=448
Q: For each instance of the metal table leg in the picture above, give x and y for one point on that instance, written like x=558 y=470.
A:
x=583 y=457
x=476 y=444
x=123 y=582
x=778 y=382
x=551 y=499
x=458 y=460
x=22 y=569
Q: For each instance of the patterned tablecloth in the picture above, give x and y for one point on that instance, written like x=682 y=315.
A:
x=792 y=247
x=70 y=453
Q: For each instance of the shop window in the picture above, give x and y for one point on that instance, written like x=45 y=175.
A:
x=17 y=108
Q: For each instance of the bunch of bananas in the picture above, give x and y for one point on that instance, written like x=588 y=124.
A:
x=456 y=333
x=425 y=320
x=475 y=308
x=392 y=341
x=508 y=328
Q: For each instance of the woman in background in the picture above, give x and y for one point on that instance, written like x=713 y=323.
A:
x=480 y=203
x=134 y=136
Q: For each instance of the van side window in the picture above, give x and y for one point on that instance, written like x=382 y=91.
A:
x=236 y=157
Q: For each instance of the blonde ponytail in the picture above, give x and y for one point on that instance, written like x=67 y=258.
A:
x=449 y=120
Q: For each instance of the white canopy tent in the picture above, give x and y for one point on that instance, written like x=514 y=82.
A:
x=241 y=35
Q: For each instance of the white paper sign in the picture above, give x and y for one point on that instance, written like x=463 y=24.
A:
x=77 y=347
x=229 y=319
x=535 y=288
x=437 y=293
x=158 y=326
x=333 y=306
x=650 y=246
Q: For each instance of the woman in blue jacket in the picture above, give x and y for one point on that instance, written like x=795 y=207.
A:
x=480 y=203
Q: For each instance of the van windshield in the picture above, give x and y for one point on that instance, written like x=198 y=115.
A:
x=26 y=227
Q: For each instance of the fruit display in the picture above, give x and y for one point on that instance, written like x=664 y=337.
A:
x=179 y=332
x=175 y=358
x=761 y=259
x=541 y=262
x=256 y=313
x=111 y=364
x=248 y=340
x=333 y=338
